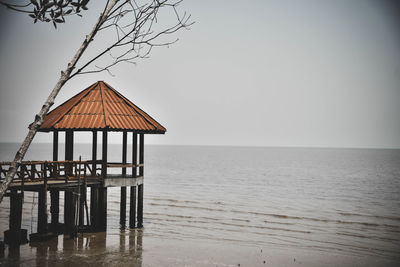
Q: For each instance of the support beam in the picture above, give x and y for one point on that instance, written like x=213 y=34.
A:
x=55 y=145
x=82 y=200
x=94 y=207
x=42 y=212
x=54 y=208
x=102 y=223
x=140 y=187
x=132 y=209
x=140 y=207
x=15 y=235
x=55 y=194
x=69 y=211
x=69 y=145
x=104 y=155
x=42 y=207
x=134 y=154
x=141 y=154
x=122 y=215
x=94 y=152
x=124 y=150
x=102 y=194
x=132 y=204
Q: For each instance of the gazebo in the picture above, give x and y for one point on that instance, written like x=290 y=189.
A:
x=98 y=108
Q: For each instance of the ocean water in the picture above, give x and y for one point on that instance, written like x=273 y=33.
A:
x=340 y=201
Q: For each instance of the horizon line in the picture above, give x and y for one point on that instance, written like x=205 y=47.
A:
x=231 y=145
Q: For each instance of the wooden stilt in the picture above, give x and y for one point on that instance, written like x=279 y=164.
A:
x=104 y=155
x=54 y=208
x=140 y=187
x=69 y=211
x=69 y=215
x=42 y=213
x=15 y=235
x=82 y=200
x=122 y=216
x=102 y=197
x=42 y=207
x=102 y=223
x=55 y=194
x=94 y=207
x=132 y=204
x=69 y=145
x=94 y=152
x=132 y=209
x=140 y=207
x=94 y=196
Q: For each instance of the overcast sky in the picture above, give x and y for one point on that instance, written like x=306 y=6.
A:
x=259 y=73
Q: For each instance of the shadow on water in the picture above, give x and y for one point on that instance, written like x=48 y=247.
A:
x=115 y=248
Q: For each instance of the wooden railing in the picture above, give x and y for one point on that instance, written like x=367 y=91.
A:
x=40 y=170
x=36 y=171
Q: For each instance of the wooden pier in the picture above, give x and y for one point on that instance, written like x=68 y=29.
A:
x=98 y=109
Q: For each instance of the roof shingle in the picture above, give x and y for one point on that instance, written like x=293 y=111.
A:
x=100 y=107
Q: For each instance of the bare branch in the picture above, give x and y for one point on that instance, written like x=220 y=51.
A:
x=137 y=32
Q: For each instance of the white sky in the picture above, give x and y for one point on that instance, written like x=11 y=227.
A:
x=259 y=73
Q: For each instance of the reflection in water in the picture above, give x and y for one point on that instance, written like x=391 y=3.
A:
x=111 y=248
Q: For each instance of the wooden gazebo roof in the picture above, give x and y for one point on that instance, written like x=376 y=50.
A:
x=100 y=107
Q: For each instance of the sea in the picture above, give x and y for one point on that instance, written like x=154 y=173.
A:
x=322 y=201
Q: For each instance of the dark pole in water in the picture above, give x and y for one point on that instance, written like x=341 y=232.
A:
x=15 y=235
x=102 y=189
x=69 y=211
x=123 y=189
x=42 y=207
x=132 y=209
x=94 y=189
x=140 y=187
x=54 y=193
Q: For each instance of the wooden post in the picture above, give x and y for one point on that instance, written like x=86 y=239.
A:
x=94 y=152
x=15 y=211
x=94 y=193
x=132 y=204
x=82 y=200
x=132 y=210
x=141 y=154
x=124 y=150
x=140 y=187
x=122 y=214
x=55 y=145
x=69 y=214
x=42 y=207
x=55 y=194
x=94 y=207
x=69 y=145
x=54 y=208
x=102 y=197
x=15 y=235
x=102 y=223
x=104 y=155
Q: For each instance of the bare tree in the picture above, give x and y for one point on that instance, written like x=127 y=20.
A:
x=136 y=34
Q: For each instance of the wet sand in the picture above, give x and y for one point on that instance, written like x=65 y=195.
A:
x=135 y=248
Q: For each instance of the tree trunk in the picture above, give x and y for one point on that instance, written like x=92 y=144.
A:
x=65 y=76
